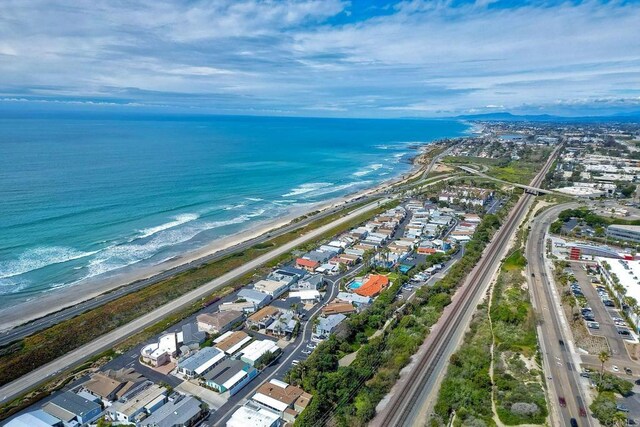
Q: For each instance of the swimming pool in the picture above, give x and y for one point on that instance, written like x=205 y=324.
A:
x=354 y=284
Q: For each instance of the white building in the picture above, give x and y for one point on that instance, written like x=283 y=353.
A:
x=251 y=353
x=254 y=416
x=274 y=288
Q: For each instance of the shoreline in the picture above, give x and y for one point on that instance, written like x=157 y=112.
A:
x=59 y=299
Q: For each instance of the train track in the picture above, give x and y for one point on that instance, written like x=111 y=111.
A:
x=404 y=402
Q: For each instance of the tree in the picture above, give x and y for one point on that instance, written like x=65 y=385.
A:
x=603 y=356
x=604 y=408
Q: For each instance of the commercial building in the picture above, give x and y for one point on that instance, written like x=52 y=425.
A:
x=230 y=375
x=183 y=412
x=68 y=407
x=218 y=323
x=627 y=273
x=624 y=232
x=254 y=351
x=201 y=362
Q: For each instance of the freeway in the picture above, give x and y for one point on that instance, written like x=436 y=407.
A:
x=52 y=369
x=411 y=399
x=561 y=363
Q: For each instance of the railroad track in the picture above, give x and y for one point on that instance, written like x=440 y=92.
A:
x=404 y=402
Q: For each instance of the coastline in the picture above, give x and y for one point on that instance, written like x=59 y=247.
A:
x=59 y=299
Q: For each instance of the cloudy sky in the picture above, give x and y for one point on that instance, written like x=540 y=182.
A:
x=321 y=58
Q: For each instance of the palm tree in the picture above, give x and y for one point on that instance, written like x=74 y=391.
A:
x=603 y=356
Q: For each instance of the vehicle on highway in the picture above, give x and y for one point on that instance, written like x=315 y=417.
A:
x=563 y=401
x=561 y=342
x=533 y=274
x=573 y=422
x=614 y=368
x=582 y=411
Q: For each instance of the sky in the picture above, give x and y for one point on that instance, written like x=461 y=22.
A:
x=321 y=58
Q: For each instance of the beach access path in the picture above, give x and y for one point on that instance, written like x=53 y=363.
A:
x=107 y=341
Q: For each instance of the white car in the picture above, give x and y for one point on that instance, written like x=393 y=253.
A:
x=615 y=368
x=307 y=352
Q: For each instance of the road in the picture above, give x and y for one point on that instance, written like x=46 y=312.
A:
x=561 y=363
x=50 y=370
x=411 y=399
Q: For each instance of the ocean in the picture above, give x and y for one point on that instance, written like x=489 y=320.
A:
x=87 y=198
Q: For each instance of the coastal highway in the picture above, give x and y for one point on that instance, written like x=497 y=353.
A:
x=560 y=362
x=410 y=400
x=107 y=341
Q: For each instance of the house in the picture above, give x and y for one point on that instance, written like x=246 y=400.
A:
x=37 y=418
x=281 y=275
x=320 y=256
x=283 y=326
x=355 y=299
x=262 y=318
x=185 y=411
x=373 y=286
x=111 y=385
x=161 y=352
x=286 y=400
x=257 y=298
x=273 y=288
x=311 y=282
x=231 y=375
x=307 y=297
x=253 y=415
x=338 y=307
x=307 y=264
x=244 y=306
x=300 y=273
x=292 y=305
x=191 y=336
x=137 y=407
x=68 y=407
x=326 y=325
x=231 y=342
x=254 y=351
x=218 y=323
x=201 y=362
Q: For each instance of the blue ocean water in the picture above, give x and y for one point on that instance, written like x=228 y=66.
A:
x=86 y=198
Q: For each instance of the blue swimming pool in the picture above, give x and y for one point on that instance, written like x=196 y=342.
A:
x=354 y=285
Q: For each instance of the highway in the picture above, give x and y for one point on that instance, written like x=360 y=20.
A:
x=561 y=363
x=50 y=370
x=410 y=400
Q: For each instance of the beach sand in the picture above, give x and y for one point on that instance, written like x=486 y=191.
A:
x=59 y=299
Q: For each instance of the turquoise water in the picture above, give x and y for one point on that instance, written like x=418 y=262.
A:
x=83 y=199
x=354 y=285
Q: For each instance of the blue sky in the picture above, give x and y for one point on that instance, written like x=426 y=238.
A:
x=321 y=58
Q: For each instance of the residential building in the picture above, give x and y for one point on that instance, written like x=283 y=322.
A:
x=307 y=264
x=273 y=288
x=373 y=286
x=231 y=342
x=292 y=305
x=247 y=307
x=338 y=307
x=139 y=406
x=191 y=336
x=161 y=352
x=283 y=326
x=307 y=297
x=326 y=325
x=259 y=299
x=68 y=407
x=255 y=416
x=284 y=399
x=201 y=362
x=112 y=385
x=262 y=318
x=218 y=323
x=311 y=282
x=230 y=375
x=254 y=351
x=183 y=412
x=355 y=299
x=37 y=418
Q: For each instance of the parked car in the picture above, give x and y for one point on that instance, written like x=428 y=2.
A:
x=622 y=408
x=593 y=325
x=628 y=371
x=295 y=362
x=614 y=368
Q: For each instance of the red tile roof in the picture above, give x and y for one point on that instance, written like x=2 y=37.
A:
x=303 y=262
x=373 y=286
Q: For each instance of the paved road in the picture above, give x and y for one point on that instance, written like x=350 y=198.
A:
x=561 y=364
x=50 y=370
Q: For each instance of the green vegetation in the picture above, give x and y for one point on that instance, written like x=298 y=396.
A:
x=604 y=408
x=348 y=395
x=44 y=346
x=505 y=333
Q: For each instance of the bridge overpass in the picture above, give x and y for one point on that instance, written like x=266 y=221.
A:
x=527 y=188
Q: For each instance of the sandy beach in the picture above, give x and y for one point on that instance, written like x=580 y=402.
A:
x=59 y=299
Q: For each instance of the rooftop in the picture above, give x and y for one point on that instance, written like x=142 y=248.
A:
x=174 y=413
